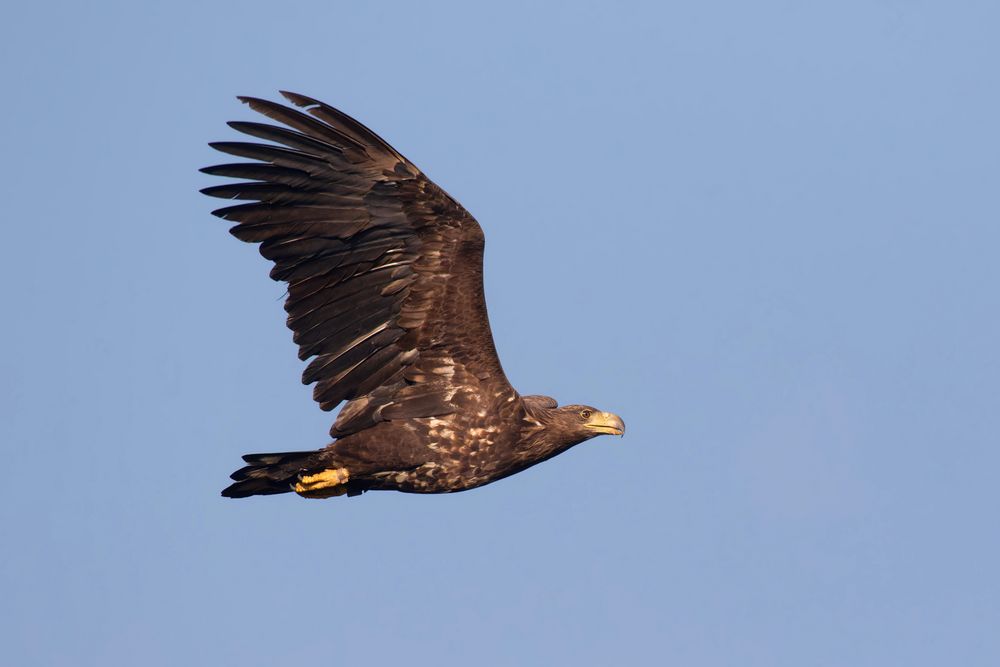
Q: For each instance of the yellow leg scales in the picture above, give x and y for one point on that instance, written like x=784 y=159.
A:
x=325 y=484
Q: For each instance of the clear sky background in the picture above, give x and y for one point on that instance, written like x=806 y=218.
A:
x=765 y=233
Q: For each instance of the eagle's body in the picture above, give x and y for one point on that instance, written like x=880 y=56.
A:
x=385 y=293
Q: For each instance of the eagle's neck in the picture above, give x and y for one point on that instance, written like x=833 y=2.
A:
x=544 y=436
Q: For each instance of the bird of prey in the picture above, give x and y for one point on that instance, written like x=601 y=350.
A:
x=385 y=296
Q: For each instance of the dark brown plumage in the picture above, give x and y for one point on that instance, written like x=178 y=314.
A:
x=385 y=296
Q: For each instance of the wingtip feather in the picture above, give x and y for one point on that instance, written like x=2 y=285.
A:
x=299 y=100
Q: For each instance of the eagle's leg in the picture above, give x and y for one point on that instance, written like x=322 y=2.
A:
x=324 y=484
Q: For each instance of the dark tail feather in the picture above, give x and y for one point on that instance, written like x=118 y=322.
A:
x=267 y=474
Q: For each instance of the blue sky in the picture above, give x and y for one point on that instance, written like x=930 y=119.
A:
x=764 y=233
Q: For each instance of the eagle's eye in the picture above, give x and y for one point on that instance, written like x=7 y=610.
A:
x=585 y=414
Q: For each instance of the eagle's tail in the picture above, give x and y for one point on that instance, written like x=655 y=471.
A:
x=267 y=474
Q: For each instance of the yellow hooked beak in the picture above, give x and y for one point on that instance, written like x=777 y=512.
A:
x=606 y=422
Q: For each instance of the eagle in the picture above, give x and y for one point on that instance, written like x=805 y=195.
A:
x=384 y=274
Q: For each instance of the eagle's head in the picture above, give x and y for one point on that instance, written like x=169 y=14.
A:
x=572 y=424
x=586 y=422
x=561 y=427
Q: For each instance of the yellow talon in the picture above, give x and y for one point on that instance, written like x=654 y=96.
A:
x=323 y=484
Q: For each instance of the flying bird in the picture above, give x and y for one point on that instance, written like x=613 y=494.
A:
x=385 y=298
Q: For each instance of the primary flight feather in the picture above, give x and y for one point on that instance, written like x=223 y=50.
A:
x=385 y=297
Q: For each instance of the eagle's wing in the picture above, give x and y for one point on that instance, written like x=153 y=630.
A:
x=384 y=268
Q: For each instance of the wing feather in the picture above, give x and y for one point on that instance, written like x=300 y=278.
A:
x=384 y=269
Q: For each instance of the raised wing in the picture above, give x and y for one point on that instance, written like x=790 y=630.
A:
x=384 y=269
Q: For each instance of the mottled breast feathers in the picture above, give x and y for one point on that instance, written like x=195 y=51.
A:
x=384 y=269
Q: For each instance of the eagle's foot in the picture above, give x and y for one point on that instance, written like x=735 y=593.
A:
x=325 y=484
